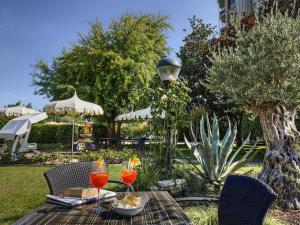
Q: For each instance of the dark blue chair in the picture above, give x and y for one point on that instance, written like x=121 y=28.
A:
x=243 y=201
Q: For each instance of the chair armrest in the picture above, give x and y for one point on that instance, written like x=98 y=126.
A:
x=120 y=182
x=197 y=199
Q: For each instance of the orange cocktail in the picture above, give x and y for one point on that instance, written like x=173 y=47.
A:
x=98 y=179
x=128 y=176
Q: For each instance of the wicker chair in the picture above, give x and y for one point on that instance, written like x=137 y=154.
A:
x=243 y=201
x=70 y=175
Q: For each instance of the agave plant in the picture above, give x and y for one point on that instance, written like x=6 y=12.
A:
x=216 y=157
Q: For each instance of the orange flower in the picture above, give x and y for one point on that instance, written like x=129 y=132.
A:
x=135 y=161
x=99 y=164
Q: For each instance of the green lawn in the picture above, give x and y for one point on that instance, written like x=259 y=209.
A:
x=208 y=215
x=23 y=188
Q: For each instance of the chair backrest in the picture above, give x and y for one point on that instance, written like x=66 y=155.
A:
x=68 y=176
x=244 y=201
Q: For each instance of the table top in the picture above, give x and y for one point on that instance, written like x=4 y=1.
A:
x=161 y=209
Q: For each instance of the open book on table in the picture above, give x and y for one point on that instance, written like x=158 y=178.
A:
x=72 y=201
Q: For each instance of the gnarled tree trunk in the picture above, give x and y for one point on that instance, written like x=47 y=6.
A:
x=281 y=165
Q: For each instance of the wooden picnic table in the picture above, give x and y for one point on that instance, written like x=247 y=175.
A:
x=161 y=209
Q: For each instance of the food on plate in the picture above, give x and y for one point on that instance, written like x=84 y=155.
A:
x=131 y=200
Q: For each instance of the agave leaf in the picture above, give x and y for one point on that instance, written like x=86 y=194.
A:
x=187 y=142
x=194 y=149
x=210 y=157
x=250 y=151
x=227 y=149
x=192 y=132
x=248 y=157
x=192 y=165
x=200 y=156
x=215 y=135
x=216 y=162
x=205 y=150
x=209 y=134
x=215 y=129
x=226 y=136
x=237 y=165
x=202 y=130
x=238 y=150
x=215 y=144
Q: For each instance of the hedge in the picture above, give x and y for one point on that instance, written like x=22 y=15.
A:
x=99 y=131
x=44 y=133
x=108 y=155
x=48 y=134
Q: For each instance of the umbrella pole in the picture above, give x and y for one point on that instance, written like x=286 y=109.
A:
x=73 y=128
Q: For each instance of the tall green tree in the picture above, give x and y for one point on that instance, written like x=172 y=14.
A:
x=29 y=105
x=284 y=6
x=262 y=73
x=109 y=67
x=195 y=53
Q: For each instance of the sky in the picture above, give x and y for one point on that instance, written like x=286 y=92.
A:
x=39 y=29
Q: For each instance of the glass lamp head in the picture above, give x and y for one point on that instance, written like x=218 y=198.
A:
x=168 y=68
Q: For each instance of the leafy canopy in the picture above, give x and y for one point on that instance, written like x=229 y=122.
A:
x=264 y=66
x=194 y=55
x=109 y=67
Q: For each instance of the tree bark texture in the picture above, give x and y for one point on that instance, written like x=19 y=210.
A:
x=281 y=166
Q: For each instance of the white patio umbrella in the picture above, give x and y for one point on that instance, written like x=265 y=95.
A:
x=73 y=106
x=139 y=115
x=16 y=111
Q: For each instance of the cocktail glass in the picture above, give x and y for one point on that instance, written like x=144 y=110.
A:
x=98 y=179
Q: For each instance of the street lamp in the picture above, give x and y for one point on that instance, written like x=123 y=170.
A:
x=168 y=69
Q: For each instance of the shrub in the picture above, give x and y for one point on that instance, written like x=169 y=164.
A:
x=51 y=146
x=56 y=157
x=148 y=175
x=108 y=155
x=99 y=131
x=43 y=133
x=137 y=129
x=196 y=186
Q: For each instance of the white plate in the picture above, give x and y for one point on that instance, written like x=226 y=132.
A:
x=131 y=211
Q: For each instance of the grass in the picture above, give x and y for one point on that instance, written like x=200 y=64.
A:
x=208 y=215
x=23 y=188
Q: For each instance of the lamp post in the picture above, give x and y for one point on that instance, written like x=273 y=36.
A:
x=168 y=69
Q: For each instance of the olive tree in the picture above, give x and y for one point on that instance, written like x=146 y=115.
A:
x=263 y=73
